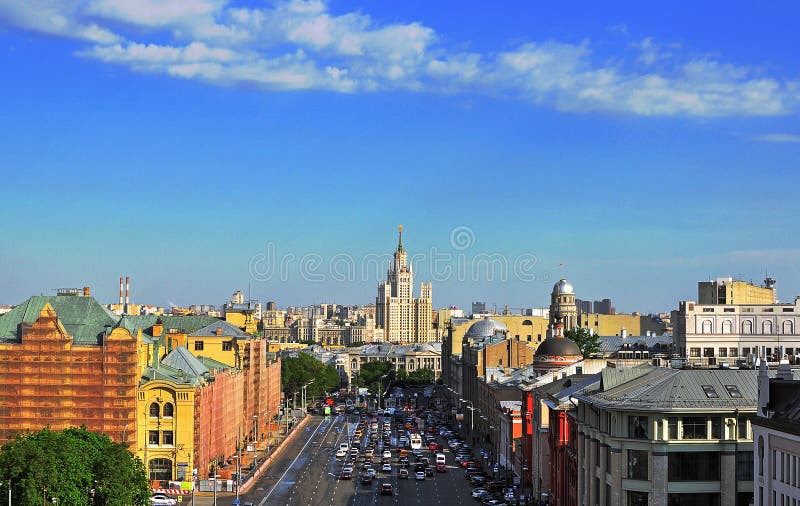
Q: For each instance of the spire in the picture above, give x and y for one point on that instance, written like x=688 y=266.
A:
x=400 y=239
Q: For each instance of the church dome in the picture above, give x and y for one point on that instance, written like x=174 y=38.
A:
x=485 y=328
x=563 y=286
x=557 y=347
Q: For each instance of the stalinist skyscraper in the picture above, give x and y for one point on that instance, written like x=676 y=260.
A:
x=404 y=318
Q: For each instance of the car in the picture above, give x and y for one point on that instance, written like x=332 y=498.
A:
x=387 y=454
x=162 y=500
x=432 y=447
x=441 y=468
x=341 y=454
x=366 y=479
x=386 y=468
x=403 y=473
x=346 y=475
x=370 y=471
x=420 y=475
x=386 y=489
x=429 y=471
x=478 y=493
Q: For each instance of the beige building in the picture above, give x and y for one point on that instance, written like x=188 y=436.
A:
x=617 y=324
x=403 y=317
x=563 y=307
x=709 y=334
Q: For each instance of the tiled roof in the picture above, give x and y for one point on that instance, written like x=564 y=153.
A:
x=83 y=317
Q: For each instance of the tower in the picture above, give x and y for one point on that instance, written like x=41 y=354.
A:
x=562 y=303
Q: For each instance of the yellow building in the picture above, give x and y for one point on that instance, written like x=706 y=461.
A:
x=243 y=319
x=532 y=329
x=613 y=324
x=733 y=291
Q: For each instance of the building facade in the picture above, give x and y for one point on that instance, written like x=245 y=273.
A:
x=403 y=317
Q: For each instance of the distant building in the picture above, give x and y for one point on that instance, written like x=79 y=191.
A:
x=478 y=307
x=562 y=306
x=403 y=317
x=734 y=291
x=710 y=334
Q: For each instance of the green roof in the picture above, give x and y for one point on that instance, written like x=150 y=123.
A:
x=187 y=324
x=83 y=317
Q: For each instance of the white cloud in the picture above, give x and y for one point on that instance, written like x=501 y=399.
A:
x=297 y=44
x=777 y=137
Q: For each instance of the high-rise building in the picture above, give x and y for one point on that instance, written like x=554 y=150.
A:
x=478 y=307
x=403 y=317
x=734 y=291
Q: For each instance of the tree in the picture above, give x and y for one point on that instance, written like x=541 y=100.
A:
x=68 y=465
x=369 y=375
x=301 y=370
x=422 y=376
x=588 y=342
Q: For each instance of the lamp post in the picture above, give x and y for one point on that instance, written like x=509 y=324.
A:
x=380 y=390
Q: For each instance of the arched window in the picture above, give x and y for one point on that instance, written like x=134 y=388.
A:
x=707 y=327
x=169 y=409
x=527 y=322
x=788 y=328
x=747 y=327
x=160 y=469
x=766 y=327
x=727 y=327
x=155 y=410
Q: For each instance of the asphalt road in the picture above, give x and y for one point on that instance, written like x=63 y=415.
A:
x=307 y=473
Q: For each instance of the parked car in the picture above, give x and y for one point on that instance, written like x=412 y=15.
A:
x=163 y=500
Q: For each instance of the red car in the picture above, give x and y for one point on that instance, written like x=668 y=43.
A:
x=432 y=447
x=441 y=468
x=386 y=489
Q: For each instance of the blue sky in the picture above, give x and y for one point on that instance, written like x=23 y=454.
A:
x=194 y=144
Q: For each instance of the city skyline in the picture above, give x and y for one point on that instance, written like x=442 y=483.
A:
x=634 y=150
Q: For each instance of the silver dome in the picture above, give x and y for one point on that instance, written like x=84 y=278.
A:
x=563 y=286
x=485 y=328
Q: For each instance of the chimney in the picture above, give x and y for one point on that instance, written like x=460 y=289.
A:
x=120 y=291
x=127 y=291
x=87 y=292
x=624 y=332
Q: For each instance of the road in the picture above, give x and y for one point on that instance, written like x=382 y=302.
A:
x=307 y=473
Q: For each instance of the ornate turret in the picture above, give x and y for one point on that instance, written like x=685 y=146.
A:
x=400 y=238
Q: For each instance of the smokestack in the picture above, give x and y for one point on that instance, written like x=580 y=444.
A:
x=127 y=291
x=120 y=290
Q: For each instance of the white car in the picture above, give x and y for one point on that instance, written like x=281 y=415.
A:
x=386 y=468
x=341 y=454
x=162 y=500
x=420 y=475
x=387 y=454
x=477 y=493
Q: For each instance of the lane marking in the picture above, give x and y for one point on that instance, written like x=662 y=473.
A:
x=264 y=501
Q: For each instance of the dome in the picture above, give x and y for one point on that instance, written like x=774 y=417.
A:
x=563 y=286
x=557 y=347
x=485 y=328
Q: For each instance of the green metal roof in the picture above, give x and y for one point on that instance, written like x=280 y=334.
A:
x=187 y=324
x=83 y=317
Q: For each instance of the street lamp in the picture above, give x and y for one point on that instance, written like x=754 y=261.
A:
x=380 y=390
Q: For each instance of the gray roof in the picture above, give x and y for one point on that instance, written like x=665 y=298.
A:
x=654 y=344
x=182 y=359
x=484 y=327
x=227 y=329
x=648 y=388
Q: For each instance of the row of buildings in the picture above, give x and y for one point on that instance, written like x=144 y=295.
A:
x=646 y=420
x=184 y=393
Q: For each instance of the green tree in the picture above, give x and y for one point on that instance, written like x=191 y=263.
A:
x=369 y=375
x=306 y=370
x=588 y=342
x=68 y=465
x=422 y=376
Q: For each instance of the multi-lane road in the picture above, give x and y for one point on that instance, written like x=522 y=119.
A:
x=307 y=472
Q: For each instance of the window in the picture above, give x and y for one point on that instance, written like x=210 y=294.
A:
x=766 y=327
x=693 y=466
x=722 y=352
x=716 y=428
x=733 y=352
x=198 y=346
x=708 y=309
x=154 y=410
x=744 y=466
x=768 y=310
x=672 y=423
x=167 y=437
x=638 y=464
x=227 y=346
x=707 y=328
x=733 y=391
x=710 y=392
x=729 y=310
x=708 y=352
x=788 y=328
x=694 y=352
x=637 y=427
x=694 y=427
x=693 y=499
x=169 y=409
x=152 y=437
x=745 y=352
x=637 y=498
x=747 y=327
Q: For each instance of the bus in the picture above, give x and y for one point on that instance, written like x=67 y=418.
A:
x=416 y=441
